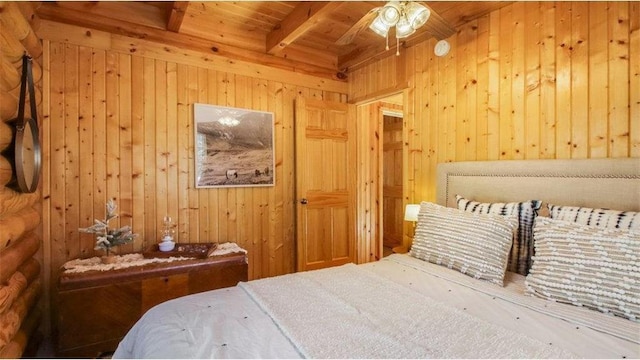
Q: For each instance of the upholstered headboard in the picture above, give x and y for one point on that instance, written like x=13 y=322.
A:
x=604 y=183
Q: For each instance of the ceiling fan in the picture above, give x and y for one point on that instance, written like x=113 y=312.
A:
x=406 y=17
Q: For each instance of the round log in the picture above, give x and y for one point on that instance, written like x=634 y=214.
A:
x=36 y=70
x=12 y=201
x=5 y=135
x=8 y=106
x=12 y=48
x=26 y=274
x=14 y=226
x=13 y=256
x=30 y=269
x=16 y=92
x=16 y=348
x=12 y=19
x=9 y=75
x=12 y=320
x=5 y=171
x=10 y=292
x=32 y=44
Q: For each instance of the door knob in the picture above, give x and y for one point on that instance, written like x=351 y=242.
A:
x=303 y=201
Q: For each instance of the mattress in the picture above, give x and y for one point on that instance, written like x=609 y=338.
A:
x=394 y=308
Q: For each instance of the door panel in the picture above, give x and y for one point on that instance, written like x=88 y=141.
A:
x=393 y=210
x=326 y=179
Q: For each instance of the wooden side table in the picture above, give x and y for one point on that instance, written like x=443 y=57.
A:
x=96 y=309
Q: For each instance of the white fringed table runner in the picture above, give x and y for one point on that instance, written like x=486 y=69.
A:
x=130 y=260
x=122 y=262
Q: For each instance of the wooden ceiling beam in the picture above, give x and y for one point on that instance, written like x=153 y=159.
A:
x=300 y=20
x=176 y=15
x=52 y=12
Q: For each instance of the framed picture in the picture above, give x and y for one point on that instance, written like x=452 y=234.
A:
x=233 y=147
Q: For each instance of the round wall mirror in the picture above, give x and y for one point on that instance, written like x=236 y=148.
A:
x=27 y=156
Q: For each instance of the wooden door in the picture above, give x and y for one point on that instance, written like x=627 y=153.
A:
x=325 y=183
x=393 y=211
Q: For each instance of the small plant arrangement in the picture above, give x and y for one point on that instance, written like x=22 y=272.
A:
x=107 y=238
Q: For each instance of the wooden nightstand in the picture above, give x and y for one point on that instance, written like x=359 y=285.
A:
x=96 y=309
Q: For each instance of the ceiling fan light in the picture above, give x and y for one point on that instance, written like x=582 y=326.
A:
x=390 y=13
x=417 y=14
x=379 y=27
x=404 y=28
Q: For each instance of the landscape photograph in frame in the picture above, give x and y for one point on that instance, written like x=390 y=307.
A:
x=233 y=147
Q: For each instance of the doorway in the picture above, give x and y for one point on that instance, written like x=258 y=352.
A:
x=372 y=170
x=392 y=180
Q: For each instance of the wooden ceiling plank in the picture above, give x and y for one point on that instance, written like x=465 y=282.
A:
x=372 y=53
x=131 y=11
x=362 y=24
x=102 y=40
x=302 y=18
x=437 y=25
x=176 y=15
x=68 y=16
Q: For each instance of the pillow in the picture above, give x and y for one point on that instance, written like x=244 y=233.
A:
x=526 y=211
x=603 y=218
x=586 y=266
x=474 y=244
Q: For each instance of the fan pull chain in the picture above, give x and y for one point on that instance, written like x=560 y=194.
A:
x=387 y=38
x=397 y=47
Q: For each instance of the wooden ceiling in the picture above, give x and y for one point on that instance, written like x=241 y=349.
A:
x=304 y=35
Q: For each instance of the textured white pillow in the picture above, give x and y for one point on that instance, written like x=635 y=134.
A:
x=526 y=211
x=602 y=218
x=586 y=266
x=474 y=244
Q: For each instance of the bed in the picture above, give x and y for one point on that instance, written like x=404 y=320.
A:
x=418 y=305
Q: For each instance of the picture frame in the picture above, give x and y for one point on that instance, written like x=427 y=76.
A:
x=233 y=147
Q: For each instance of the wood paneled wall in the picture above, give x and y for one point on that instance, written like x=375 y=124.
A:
x=121 y=126
x=20 y=255
x=531 y=80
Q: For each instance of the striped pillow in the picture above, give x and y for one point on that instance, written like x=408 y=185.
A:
x=587 y=266
x=602 y=218
x=526 y=211
x=474 y=244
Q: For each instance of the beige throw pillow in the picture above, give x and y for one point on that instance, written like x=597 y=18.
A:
x=586 y=266
x=474 y=244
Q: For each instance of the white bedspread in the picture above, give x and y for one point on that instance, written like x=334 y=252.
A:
x=398 y=307
x=344 y=318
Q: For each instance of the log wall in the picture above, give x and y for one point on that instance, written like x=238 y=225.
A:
x=531 y=80
x=20 y=235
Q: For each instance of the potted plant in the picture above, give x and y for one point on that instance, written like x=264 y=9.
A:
x=107 y=238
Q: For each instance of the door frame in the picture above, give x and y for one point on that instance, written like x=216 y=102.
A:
x=376 y=242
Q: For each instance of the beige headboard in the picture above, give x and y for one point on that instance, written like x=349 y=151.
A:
x=605 y=183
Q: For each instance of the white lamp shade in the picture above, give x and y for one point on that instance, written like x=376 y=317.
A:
x=379 y=27
x=411 y=212
x=417 y=14
x=404 y=29
x=390 y=13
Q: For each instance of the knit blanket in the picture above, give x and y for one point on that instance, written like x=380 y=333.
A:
x=350 y=312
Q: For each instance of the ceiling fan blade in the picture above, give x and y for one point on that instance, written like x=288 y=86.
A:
x=437 y=25
x=362 y=24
